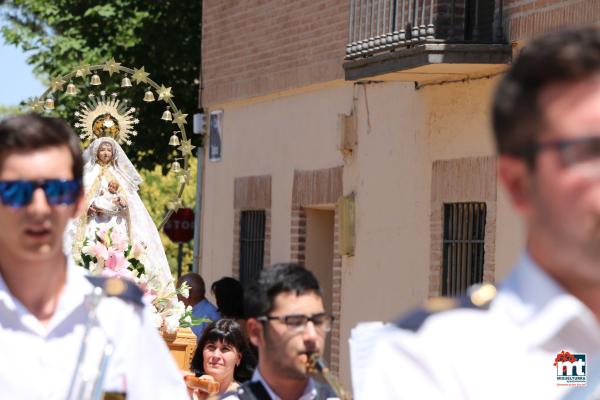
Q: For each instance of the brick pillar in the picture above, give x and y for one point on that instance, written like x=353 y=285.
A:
x=336 y=303
x=298 y=235
x=235 y=268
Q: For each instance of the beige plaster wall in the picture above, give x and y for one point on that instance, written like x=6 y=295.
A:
x=401 y=131
x=272 y=137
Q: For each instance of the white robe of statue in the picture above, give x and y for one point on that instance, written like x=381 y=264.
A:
x=133 y=219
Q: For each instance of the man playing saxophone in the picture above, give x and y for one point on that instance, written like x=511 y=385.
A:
x=288 y=324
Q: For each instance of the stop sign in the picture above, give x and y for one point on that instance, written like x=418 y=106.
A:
x=180 y=226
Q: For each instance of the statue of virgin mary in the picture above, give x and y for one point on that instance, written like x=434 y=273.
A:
x=106 y=164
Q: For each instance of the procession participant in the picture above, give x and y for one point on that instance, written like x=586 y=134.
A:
x=201 y=307
x=45 y=298
x=539 y=334
x=288 y=324
x=223 y=356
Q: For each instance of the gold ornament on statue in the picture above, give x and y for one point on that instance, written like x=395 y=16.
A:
x=149 y=96
x=95 y=80
x=49 y=102
x=174 y=140
x=106 y=116
x=125 y=82
x=71 y=89
x=167 y=116
x=175 y=167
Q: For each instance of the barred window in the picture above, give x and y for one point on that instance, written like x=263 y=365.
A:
x=252 y=244
x=464 y=238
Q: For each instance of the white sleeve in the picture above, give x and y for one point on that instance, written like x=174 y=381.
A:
x=403 y=367
x=152 y=372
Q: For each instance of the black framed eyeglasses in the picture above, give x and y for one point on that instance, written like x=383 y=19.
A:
x=19 y=193
x=572 y=151
x=321 y=321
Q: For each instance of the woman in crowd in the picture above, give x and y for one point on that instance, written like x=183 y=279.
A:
x=229 y=295
x=223 y=356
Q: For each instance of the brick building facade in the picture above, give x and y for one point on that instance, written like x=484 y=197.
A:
x=420 y=141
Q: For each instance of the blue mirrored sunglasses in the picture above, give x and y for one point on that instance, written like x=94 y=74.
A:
x=18 y=194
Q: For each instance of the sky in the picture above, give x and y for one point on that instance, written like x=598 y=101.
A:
x=17 y=81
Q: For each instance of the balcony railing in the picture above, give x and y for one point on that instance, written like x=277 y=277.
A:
x=377 y=26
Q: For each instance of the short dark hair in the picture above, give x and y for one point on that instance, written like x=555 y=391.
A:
x=229 y=332
x=28 y=132
x=563 y=56
x=259 y=296
x=229 y=295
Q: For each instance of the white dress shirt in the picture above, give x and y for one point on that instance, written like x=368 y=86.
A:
x=38 y=362
x=506 y=352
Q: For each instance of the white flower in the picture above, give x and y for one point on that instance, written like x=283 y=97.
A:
x=187 y=319
x=158 y=319
x=88 y=250
x=96 y=268
x=184 y=290
x=172 y=323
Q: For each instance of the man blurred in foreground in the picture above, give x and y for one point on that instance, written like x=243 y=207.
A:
x=45 y=299
x=539 y=337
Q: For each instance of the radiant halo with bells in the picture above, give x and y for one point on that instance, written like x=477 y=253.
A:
x=106 y=115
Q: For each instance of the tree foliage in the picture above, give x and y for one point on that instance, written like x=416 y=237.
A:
x=162 y=36
x=152 y=194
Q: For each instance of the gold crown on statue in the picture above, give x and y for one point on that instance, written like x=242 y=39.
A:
x=106 y=116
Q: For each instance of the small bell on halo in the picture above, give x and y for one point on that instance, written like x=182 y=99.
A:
x=125 y=82
x=95 y=80
x=148 y=96
x=167 y=116
x=71 y=89
x=50 y=102
x=174 y=140
x=175 y=167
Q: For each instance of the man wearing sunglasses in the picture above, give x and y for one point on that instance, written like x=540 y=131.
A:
x=44 y=297
x=288 y=324
x=539 y=336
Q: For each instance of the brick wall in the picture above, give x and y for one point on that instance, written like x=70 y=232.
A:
x=254 y=47
x=251 y=193
x=319 y=187
x=528 y=18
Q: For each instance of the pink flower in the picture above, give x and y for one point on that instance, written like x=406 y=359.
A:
x=118 y=241
x=115 y=260
x=100 y=251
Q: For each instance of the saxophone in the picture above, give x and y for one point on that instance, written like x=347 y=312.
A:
x=316 y=366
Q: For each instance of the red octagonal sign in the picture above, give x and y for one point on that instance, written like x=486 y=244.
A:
x=180 y=226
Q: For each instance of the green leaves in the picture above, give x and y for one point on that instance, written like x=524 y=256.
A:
x=163 y=36
x=156 y=191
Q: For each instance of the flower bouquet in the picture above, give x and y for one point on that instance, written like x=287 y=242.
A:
x=111 y=255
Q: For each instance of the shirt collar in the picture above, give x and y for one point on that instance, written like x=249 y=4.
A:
x=537 y=303
x=310 y=391
x=75 y=289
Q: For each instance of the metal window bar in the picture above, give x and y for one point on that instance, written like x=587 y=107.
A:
x=252 y=244
x=383 y=25
x=463 y=246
